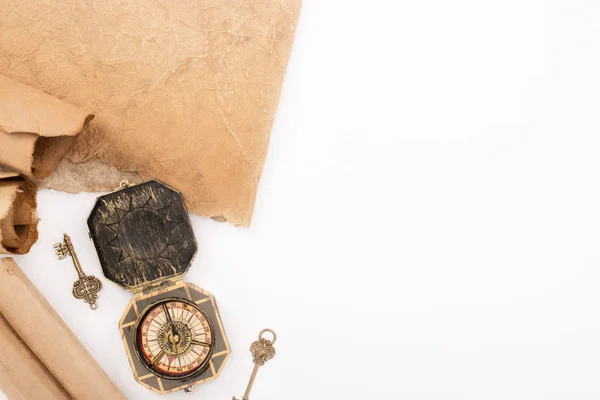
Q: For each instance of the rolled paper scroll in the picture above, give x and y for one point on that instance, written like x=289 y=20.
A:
x=50 y=339
x=18 y=214
x=22 y=375
x=36 y=129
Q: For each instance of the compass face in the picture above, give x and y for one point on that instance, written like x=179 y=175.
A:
x=174 y=339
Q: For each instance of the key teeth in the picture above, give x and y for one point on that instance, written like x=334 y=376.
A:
x=60 y=250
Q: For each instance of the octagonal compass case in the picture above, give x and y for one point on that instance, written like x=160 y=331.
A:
x=171 y=329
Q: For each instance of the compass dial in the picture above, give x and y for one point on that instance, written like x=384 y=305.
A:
x=174 y=339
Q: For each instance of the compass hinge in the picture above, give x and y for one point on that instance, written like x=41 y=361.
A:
x=158 y=286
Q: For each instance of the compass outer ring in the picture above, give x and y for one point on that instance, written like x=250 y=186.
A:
x=204 y=300
x=137 y=345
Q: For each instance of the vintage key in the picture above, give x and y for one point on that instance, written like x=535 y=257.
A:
x=86 y=287
x=262 y=351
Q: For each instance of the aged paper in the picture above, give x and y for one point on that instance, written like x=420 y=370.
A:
x=36 y=129
x=90 y=176
x=184 y=91
x=18 y=214
x=49 y=338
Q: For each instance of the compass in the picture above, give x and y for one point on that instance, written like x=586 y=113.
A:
x=174 y=339
x=171 y=329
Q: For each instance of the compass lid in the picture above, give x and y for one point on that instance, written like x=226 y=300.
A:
x=142 y=235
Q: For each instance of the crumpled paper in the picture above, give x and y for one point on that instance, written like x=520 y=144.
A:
x=36 y=129
x=184 y=91
x=89 y=176
x=18 y=214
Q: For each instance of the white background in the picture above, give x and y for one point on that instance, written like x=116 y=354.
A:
x=428 y=221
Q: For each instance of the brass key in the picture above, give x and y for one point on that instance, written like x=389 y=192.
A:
x=262 y=351
x=86 y=287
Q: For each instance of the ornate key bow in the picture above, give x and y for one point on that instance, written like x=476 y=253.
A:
x=262 y=351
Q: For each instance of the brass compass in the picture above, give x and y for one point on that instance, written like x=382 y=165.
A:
x=171 y=329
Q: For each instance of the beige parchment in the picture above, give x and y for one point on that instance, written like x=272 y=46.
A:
x=18 y=214
x=184 y=91
x=50 y=339
x=36 y=129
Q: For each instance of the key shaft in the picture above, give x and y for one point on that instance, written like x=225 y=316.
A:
x=71 y=250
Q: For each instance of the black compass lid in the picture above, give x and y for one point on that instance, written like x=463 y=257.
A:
x=142 y=234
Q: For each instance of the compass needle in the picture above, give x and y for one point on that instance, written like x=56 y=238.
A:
x=199 y=343
x=166 y=311
x=158 y=357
